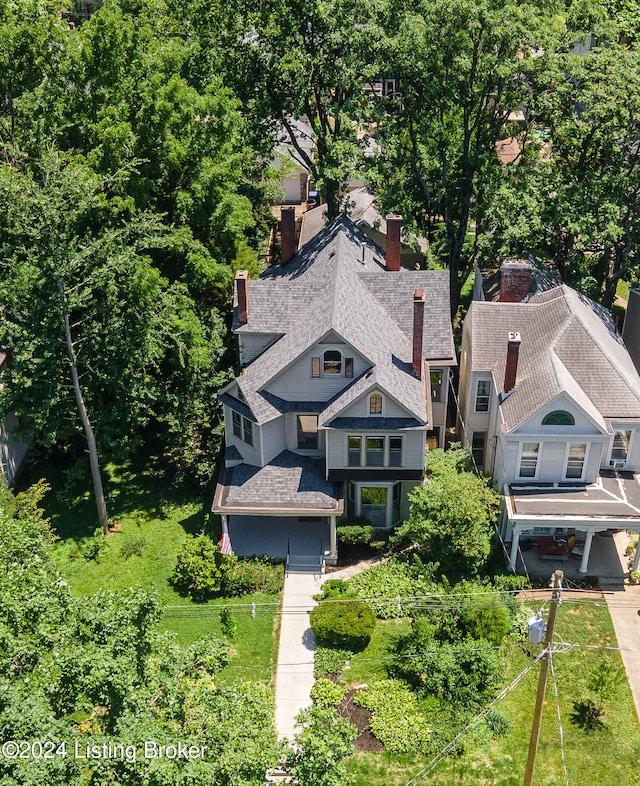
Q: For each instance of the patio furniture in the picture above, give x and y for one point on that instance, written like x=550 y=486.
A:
x=553 y=549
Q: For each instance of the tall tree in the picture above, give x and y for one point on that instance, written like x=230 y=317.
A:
x=318 y=59
x=460 y=67
x=583 y=192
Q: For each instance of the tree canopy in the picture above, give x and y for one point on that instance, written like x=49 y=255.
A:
x=95 y=671
x=452 y=514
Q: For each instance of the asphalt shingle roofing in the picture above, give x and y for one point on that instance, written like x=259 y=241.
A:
x=569 y=344
x=338 y=284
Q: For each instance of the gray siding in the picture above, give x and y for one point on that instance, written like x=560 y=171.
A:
x=251 y=455
x=295 y=383
x=273 y=438
x=413 y=443
x=12 y=449
x=254 y=344
x=360 y=408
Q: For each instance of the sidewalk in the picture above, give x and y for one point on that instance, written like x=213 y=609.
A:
x=294 y=672
x=624 y=608
x=296 y=652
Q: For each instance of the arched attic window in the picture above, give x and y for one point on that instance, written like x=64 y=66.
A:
x=375 y=404
x=558 y=418
x=332 y=362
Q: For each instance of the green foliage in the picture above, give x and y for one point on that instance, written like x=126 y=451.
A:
x=486 y=618
x=344 y=623
x=602 y=685
x=396 y=720
x=383 y=583
x=91 y=548
x=330 y=660
x=202 y=572
x=463 y=672
x=198 y=570
x=320 y=747
x=452 y=515
x=228 y=623
x=334 y=588
x=498 y=725
x=246 y=576
x=326 y=693
x=354 y=534
x=94 y=670
x=132 y=546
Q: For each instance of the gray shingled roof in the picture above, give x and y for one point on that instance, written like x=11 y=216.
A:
x=288 y=482
x=569 y=344
x=338 y=283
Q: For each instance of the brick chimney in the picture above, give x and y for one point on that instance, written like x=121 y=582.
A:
x=242 y=294
x=394 y=225
x=515 y=280
x=418 y=324
x=287 y=234
x=511 y=369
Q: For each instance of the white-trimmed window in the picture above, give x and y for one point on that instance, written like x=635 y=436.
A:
x=242 y=427
x=483 y=395
x=331 y=363
x=576 y=458
x=375 y=404
x=381 y=502
x=620 y=447
x=374 y=451
x=529 y=456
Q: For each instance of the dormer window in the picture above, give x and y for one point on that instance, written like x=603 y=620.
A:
x=332 y=362
x=375 y=404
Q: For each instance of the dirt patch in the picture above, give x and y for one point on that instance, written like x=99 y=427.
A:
x=352 y=555
x=361 y=719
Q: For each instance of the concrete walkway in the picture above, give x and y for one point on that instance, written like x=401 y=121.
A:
x=296 y=652
x=624 y=608
x=294 y=672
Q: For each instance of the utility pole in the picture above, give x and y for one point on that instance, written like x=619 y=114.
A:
x=542 y=680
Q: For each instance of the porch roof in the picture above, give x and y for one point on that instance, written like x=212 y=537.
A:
x=612 y=501
x=289 y=484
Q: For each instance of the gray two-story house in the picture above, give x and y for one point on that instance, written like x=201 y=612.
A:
x=344 y=385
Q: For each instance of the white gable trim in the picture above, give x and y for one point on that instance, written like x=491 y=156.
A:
x=562 y=401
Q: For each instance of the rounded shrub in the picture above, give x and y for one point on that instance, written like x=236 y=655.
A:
x=486 y=618
x=343 y=623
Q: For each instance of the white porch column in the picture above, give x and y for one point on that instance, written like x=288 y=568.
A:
x=333 y=541
x=636 y=559
x=514 y=548
x=587 y=550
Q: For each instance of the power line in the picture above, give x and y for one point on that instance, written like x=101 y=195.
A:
x=561 y=730
x=470 y=726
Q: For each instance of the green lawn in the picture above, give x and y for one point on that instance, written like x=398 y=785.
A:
x=371 y=664
x=606 y=757
x=157 y=518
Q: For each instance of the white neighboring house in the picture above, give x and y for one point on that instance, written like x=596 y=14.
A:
x=13 y=449
x=550 y=404
x=346 y=361
x=295 y=174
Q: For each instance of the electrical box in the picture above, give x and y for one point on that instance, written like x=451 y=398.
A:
x=537 y=629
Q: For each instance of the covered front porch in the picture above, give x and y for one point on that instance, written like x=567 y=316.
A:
x=279 y=536
x=561 y=522
x=285 y=509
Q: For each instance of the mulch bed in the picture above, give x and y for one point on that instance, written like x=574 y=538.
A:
x=360 y=718
x=352 y=555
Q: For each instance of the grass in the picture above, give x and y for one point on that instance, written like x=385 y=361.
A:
x=371 y=664
x=622 y=289
x=606 y=757
x=156 y=517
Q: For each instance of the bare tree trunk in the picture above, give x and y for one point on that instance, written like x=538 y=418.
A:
x=103 y=519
